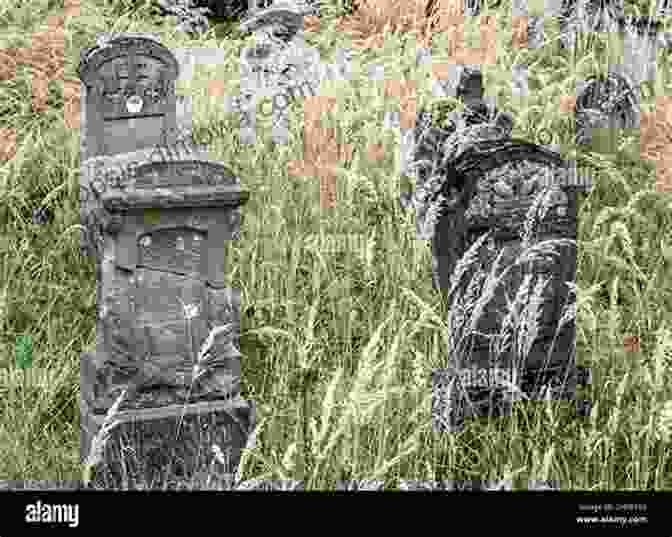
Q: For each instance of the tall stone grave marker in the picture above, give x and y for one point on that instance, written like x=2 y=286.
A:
x=157 y=220
x=491 y=205
x=504 y=248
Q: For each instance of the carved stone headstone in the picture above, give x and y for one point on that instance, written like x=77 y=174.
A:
x=504 y=248
x=128 y=86
x=279 y=63
x=604 y=107
x=279 y=69
x=490 y=205
x=508 y=286
x=436 y=124
x=157 y=219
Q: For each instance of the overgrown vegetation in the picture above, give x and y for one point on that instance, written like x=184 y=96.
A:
x=361 y=313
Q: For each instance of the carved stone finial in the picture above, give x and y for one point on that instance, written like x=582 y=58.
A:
x=287 y=13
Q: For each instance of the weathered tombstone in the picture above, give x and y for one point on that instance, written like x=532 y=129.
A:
x=128 y=91
x=605 y=106
x=490 y=204
x=157 y=221
x=279 y=69
x=504 y=248
x=434 y=126
x=278 y=62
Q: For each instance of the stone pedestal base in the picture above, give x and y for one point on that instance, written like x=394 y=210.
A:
x=168 y=446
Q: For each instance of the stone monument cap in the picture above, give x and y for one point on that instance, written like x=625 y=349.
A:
x=106 y=42
x=287 y=13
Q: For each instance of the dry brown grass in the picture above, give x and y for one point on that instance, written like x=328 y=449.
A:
x=322 y=150
x=656 y=141
x=45 y=58
x=373 y=19
x=405 y=92
x=631 y=343
x=567 y=104
x=367 y=28
x=8 y=147
x=519 y=31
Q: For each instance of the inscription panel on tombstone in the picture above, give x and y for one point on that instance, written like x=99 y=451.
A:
x=176 y=250
x=159 y=300
x=167 y=290
x=280 y=67
x=133 y=86
x=125 y=135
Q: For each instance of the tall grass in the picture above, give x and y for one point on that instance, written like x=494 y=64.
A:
x=338 y=344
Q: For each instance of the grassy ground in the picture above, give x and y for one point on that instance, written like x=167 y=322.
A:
x=361 y=311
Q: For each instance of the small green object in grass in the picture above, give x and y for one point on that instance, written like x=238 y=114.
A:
x=24 y=352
